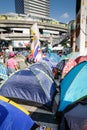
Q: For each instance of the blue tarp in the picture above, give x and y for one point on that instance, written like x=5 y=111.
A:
x=74 y=86
x=31 y=85
x=11 y=118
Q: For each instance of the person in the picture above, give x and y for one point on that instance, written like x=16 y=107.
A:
x=12 y=65
x=56 y=75
x=59 y=68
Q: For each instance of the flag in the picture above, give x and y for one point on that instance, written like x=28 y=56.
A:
x=35 y=43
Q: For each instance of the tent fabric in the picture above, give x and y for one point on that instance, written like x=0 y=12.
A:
x=68 y=66
x=48 y=62
x=73 y=55
x=11 y=118
x=30 y=85
x=43 y=67
x=75 y=119
x=74 y=86
x=54 y=57
x=81 y=59
x=14 y=104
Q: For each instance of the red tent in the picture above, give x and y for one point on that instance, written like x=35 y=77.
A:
x=68 y=66
x=81 y=59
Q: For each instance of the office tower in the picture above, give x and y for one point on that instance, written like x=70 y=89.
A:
x=33 y=7
x=19 y=6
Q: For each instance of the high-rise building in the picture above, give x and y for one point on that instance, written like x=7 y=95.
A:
x=33 y=7
x=19 y=6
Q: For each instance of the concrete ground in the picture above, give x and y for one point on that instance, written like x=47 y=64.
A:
x=42 y=116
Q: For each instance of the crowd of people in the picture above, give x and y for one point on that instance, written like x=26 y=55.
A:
x=11 y=61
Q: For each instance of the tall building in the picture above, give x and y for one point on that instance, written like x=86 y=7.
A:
x=33 y=7
x=19 y=6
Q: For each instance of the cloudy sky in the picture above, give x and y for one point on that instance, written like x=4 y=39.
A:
x=61 y=10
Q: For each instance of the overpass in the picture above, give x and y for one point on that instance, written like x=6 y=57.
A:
x=7 y=24
x=27 y=24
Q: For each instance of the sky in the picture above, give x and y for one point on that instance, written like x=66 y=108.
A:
x=61 y=10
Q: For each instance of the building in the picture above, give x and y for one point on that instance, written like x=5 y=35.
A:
x=81 y=26
x=19 y=6
x=33 y=7
x=15 y=31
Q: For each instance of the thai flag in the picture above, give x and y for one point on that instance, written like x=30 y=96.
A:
x=35 y=44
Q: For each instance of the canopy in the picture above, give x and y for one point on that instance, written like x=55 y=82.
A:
x=74 y=86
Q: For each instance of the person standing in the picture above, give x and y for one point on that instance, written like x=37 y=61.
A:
x=11 y=63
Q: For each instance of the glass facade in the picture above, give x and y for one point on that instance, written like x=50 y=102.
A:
x=19 y=6
x=33 y=7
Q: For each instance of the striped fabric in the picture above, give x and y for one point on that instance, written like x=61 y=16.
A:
x=35 y=45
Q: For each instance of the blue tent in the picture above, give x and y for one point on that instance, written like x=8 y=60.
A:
x=48 y=62
x=30 y=85
x=54 y=57
x=3 y=72
x=12 y=118
x=44 y=67
x=74 y=86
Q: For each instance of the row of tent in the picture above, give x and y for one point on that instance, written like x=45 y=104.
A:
x=36 y=84
x=37 y=78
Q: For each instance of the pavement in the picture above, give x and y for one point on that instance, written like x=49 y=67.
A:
x=42 y=117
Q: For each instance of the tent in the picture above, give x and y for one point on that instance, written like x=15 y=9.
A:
x=74 y=86
x=3 y=72
x=54 y=57
x=68 y=66
x=73 y=55
x=48 y=62
x=42 y=66
x=75 y=118
x=32 y=85
x=81 y=59
x=12 y=117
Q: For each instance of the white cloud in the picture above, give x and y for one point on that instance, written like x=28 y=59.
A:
x=65 y=15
